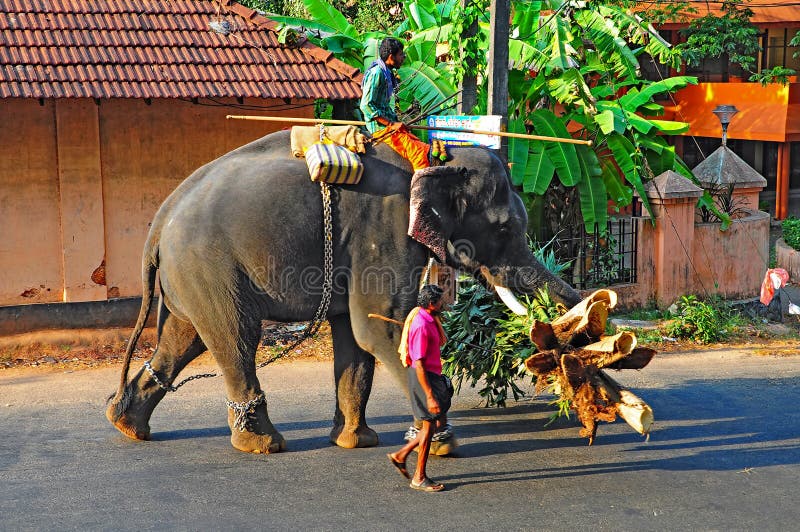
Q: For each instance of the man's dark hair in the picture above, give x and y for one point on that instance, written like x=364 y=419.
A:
x=429 y=294
x=389 y=46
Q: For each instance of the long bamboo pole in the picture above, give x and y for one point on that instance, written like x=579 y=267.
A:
x=427 y=128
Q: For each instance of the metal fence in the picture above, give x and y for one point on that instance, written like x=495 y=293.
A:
x=602 y=258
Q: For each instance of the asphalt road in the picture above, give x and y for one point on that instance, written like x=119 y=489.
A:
x=724 y=455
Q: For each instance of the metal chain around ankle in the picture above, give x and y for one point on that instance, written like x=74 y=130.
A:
x=169 y=387
x=242 y=410
x=161 y=384
x=322 y=310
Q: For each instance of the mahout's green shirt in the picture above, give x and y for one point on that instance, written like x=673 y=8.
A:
x=375 y=99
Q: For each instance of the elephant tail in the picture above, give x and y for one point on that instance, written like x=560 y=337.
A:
x=149 y=269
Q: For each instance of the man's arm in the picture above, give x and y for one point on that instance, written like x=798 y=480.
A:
x=417 y=342
x=433 y=404
x=370 y=105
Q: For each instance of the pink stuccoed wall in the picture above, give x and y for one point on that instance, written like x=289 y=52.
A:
x=80 y=182
x=732 y=263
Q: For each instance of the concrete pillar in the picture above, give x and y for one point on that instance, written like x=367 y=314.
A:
x=782 y=182
x=81 y=200
x=724 y=168
x=673 y=199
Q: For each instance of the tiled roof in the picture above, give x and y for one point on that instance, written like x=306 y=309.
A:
x=765 y=12
x=158 y=49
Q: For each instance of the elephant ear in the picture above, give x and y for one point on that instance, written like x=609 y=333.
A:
x=435 y=206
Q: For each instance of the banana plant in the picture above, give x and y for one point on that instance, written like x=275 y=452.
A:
x=573 y=72
x=424 y=80
x=578 y=76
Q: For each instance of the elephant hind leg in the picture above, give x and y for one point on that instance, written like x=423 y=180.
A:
x=233 y=344
x=178 y=344
x=353 y=369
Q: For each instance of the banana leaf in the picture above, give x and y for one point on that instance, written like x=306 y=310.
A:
x=622 y=149
x=592 y=190
x=539 y=171
x=324 y=13
x=563 y=155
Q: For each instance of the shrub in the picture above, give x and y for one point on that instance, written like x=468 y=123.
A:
x=702 y=321
x=791 y=232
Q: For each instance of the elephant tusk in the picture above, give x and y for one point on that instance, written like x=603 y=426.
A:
x=511 y=302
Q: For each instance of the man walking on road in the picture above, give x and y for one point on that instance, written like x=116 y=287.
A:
x=431 y=392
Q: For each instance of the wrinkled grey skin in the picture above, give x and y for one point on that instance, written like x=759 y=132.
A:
x=232 y=243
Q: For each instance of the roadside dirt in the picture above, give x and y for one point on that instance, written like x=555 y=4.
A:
x=81 y=348
x=78 y=348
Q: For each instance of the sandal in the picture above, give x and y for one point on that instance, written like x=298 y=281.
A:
x=427 y=485
x=401 y=466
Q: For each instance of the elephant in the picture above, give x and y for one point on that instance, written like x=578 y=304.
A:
x=241 y=241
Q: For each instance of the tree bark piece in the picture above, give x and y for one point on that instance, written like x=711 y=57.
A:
x=630 y=407
x=572 y=352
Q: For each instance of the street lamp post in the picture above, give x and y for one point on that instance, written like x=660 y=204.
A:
x=725 y=114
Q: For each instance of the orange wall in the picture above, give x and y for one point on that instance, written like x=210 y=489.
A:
x=30 y=229
x=80 y=182
x=762 y=115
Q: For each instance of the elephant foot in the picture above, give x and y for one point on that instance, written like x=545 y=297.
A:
x=352 y=438
x=126 y=421
x=255 y=434
x=443 y=442
x=444 y=447
x=249 y=442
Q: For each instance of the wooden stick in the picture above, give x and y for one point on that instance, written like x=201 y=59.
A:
x=298 y=120
x=426 y=128
x=400 y=323
x=384 y=318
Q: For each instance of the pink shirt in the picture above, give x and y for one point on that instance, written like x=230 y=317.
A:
x=423 y=342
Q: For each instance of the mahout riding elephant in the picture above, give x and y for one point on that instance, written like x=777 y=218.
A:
x=241 y=241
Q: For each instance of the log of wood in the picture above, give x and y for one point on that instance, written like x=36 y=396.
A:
x=542 y=362
x=630 y=407
x=578 y=311
x=542 y=336
x=639 y=358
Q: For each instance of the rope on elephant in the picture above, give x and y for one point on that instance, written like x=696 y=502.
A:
x=319 y=317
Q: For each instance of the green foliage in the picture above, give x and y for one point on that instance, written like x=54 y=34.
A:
x=725 y=206
x=791 y=232
x=323 y=109
x=574 y=72
x=480 y=319
x=776 y=74
x=703 y=321
x=546 y=255
x=425 y=82
x=574 y=62
x=730 y=36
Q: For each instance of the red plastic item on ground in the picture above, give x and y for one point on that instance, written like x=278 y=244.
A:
x=774 y=279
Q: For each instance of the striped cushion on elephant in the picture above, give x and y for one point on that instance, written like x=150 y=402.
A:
x=334 y=164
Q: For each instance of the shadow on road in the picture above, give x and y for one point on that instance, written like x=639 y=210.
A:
x=716 y=425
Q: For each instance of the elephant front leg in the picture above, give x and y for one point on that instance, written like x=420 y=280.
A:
x=353 y=369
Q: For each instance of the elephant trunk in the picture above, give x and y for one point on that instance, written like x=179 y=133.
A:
x=529 y=279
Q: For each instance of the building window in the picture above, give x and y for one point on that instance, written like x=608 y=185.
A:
x=794 y=159
x=777 y=51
